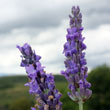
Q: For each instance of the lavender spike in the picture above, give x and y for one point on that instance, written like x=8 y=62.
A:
x=42 y=85
x=75 y=63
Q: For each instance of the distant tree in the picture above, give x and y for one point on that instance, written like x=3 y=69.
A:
x=100 y=80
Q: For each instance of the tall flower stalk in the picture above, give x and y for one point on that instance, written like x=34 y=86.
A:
x=75 y=63
x=41 y=84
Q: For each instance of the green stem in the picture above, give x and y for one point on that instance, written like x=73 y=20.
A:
x=80 y=105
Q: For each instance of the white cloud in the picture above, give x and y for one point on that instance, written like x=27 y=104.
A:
x=98 y=50
x=98 y=39
x=49 y=44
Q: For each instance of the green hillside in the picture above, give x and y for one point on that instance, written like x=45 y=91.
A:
x=13 y=92
x=15 y=96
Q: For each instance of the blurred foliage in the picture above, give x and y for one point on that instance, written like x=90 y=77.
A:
x=11 y=81
x=100 y=80
x=15 y=96
x=21 y=104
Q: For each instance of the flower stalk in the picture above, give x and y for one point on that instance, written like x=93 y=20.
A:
x=80 y=105
x=75 y=63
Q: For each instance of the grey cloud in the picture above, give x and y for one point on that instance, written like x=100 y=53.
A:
x=96 y=13
x=93 y=62
x=34 y=22
x=38 y=14
x=98 y=58
x=28 y=14
x=99 y=53
x=58 y=60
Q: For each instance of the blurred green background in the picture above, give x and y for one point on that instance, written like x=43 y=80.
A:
x=15 y=96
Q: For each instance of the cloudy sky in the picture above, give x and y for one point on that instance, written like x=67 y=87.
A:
x=43 y=24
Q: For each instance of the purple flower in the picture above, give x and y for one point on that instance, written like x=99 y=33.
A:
x=75 y=63
x=28 y=56
x=32 y=108
x=42 y=85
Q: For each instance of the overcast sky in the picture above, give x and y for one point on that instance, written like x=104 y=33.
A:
x=43 y=24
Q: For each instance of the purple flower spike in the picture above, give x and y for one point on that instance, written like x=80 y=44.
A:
x=41 y=84
x=76 y=69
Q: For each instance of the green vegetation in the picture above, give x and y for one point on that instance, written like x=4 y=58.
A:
x=15 y=96
x=100 y=79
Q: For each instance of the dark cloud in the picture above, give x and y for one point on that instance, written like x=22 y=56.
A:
x=96 y=13
x=26 y=14
x=32 y=22
x=38 y=14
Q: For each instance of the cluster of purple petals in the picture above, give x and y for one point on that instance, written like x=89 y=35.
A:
x=41 y=84
x=75 y=63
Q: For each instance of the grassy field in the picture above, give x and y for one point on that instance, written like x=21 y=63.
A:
x=15 y=96
x=14 y=93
